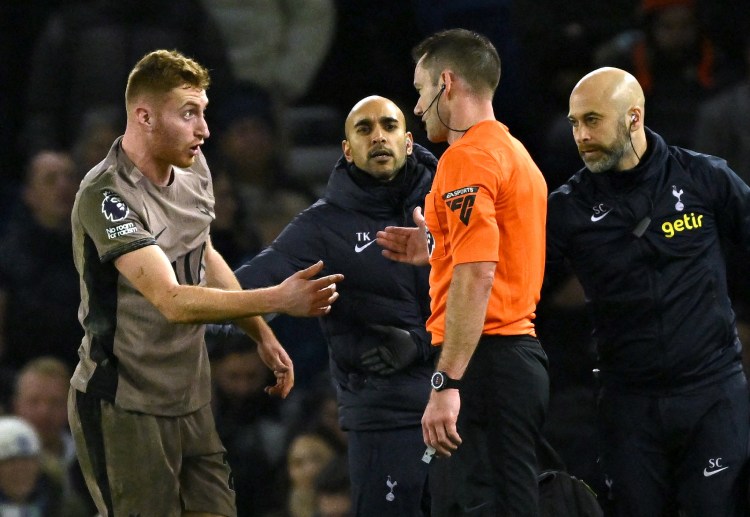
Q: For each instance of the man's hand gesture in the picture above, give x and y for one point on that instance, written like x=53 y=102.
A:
x=406 y=244
x=304 y=297
x=275 y=357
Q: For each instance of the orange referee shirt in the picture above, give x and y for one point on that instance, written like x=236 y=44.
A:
x=488 y=203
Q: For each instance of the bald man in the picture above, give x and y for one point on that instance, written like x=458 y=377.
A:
x=642 y=227
x=380 y=353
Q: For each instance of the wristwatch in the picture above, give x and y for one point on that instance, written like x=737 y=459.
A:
x=440 y=381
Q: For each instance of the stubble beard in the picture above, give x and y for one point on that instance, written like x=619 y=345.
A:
x=612 y=155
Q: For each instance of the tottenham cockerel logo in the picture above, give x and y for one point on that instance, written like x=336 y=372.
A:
x=462 y=199
x=113 y=207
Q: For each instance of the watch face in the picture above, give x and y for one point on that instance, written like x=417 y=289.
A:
x=438 y=381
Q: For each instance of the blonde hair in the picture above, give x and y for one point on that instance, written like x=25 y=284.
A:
x=160 y=71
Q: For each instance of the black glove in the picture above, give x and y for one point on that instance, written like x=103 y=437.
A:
x=392 y=349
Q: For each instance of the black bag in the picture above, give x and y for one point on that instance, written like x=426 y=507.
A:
x=563 y=495
x=560 y=494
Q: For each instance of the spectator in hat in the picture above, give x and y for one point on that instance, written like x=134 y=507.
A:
x=25 y=487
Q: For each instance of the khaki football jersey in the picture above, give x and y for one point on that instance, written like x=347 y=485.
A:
x=130 y=354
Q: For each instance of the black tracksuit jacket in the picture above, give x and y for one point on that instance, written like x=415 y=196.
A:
x=340 y=229
x=646 y=245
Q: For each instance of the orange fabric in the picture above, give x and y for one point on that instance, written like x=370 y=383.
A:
x=488 y=203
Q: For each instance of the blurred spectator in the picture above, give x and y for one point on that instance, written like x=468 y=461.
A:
x=556 y=42
x=87 y=49
x=231 y=231
x=26 y=488
x=248 y=150
x=722 y=129
x=39 y=290
x=355 y=69
x=40 y=398
x=255 y=199
x=247 y=420
x=99 y=128
x=319 y=409
x=332 y=490
x=675 y=62
x=276 y=45
x=568 y=59
x=308 y=453
x=541 y=24
x=727 y=23
x=20 y=26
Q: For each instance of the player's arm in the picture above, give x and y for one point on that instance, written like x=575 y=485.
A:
x=220 y=275
x=150 y=272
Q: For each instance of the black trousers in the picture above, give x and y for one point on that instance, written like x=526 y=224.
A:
x=504 y=399
x=687 y=451
x=387 y=473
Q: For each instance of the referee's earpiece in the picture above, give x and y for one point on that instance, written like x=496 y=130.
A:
x=633 y=118
x=443 y=87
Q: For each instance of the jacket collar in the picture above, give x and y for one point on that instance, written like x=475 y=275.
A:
x=650 y=166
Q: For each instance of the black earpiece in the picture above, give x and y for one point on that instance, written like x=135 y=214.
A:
x=437 y=110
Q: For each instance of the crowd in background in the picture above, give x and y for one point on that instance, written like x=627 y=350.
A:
x=62 y=67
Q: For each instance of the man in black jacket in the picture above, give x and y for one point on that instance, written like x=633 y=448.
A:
x=381 y=357
x=642 y=226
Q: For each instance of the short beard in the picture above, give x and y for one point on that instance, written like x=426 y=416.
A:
x=613 y=154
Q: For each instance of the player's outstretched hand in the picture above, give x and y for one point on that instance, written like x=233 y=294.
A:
x=302 y=296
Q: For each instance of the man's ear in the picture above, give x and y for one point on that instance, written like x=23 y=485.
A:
x=635 y=117
x=347 y=150
x=143 y=115
x=409 y=143
x=446 y=80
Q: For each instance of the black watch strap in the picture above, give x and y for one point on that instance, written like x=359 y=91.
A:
x=440 y=381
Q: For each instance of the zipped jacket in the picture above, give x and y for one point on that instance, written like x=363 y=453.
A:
x=341 y=230
x=646 y=245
